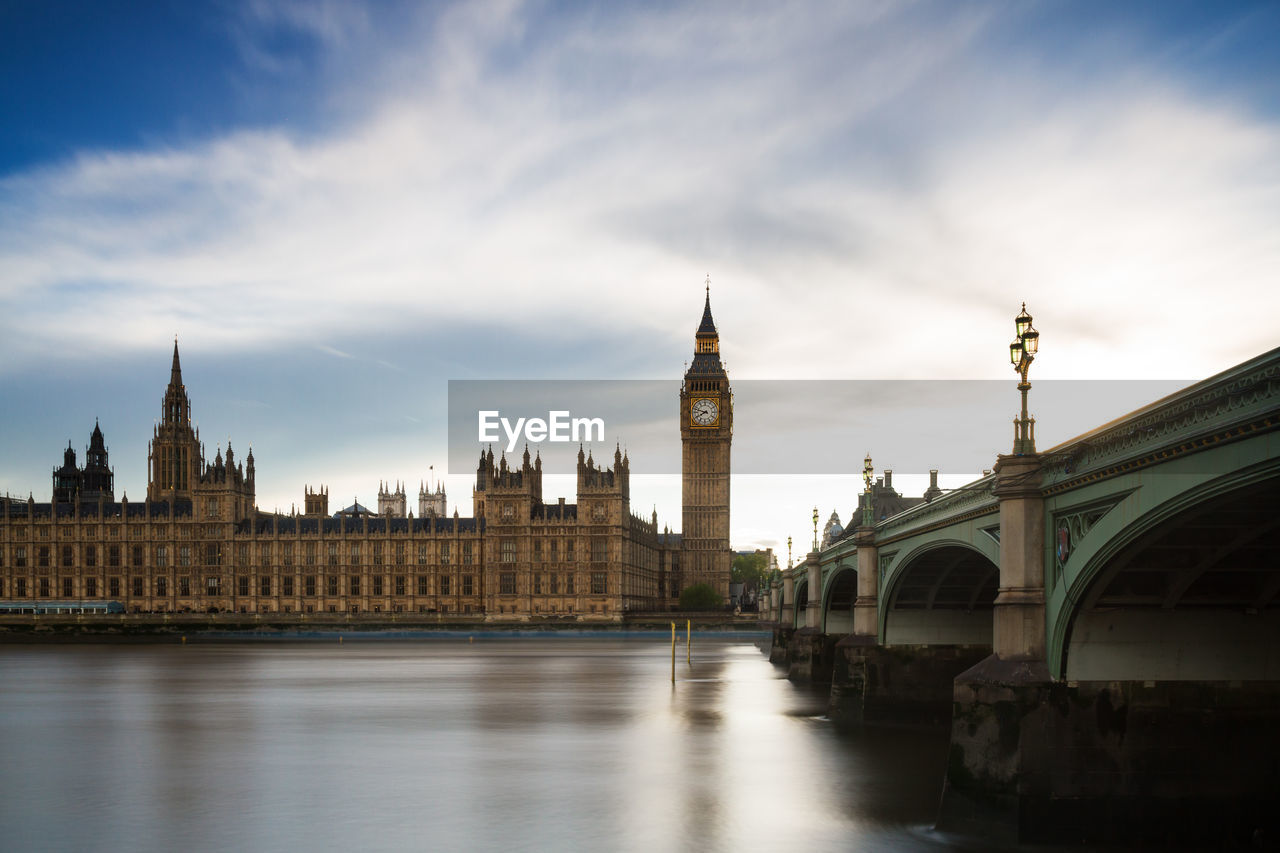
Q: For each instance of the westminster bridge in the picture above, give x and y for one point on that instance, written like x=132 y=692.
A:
x=1100 y=622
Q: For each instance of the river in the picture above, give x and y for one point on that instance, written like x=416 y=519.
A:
x=560 y=743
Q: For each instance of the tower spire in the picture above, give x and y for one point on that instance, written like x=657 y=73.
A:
x=175 y=373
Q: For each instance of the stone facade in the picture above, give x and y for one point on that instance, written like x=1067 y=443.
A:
x=198 y=543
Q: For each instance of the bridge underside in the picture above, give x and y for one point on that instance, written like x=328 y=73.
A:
x=1196 y=597
x=945 y=596
x=838 y=618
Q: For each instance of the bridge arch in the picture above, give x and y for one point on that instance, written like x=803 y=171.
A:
x=800 y=610
x=840 y=590
x=941 y=592
x=1181 y=588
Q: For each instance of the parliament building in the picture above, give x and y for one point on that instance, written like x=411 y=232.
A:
x=199 y=543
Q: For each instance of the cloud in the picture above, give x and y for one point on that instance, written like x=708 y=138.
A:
x=586 y=169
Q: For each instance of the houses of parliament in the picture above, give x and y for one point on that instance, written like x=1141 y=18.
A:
x=198 y=543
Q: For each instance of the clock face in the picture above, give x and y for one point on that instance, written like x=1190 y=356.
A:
x=704 y=412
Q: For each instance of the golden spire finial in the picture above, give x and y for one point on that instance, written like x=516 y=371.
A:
x=708 y=285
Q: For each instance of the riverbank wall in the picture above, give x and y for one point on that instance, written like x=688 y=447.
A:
x=65 y=628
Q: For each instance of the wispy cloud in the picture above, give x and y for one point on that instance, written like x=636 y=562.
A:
x=590 y=168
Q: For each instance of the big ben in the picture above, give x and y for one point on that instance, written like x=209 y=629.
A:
x=706 y=433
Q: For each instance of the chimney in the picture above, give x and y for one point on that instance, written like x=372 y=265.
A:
x=888 y=479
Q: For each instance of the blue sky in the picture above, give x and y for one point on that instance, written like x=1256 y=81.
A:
x=340 y=206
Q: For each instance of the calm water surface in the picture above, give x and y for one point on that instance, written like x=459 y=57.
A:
x=562 y=743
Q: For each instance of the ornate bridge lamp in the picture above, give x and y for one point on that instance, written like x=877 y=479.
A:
x=789 y=563
x=815 y=529
x=1021 y=353
x=868 y=512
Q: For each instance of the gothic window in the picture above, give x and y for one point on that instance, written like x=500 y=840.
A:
x=422 y=554
x=377 y=584
x=568 y=584
x=399 y=584
x=353 y=554
x=507 y=583
x=286 y=585
x=444 y=553
x=466 y=585
x=162 y=586
x=242 y=584
x=509 y=550
x=20 y=557
x=537 y=584
x=91 y=555
x=537 y=550
x=162 y=556
x=424 y=585
x=309 y=586
x=333 y=554
x=554 y=584
x=90 y=587
x=332 y=582
x=213 y=554
x=377 y=554
x=139 y=588
x=184 y=585
x=466 y=553
x=264 y=585
x=242 y=554
x=66 y=555
x=137 y=556
x=113 y=555
x=568 y=551
x=286 y=551
x=599 y=549
x=184 y=555
x=264 y=554
x=355 y=586
x=399 y=553
x=311 y=553
x=597 y=583
x=213 y=585
x=508 y=512
x=42 y=556
x=44 y=587
x=444 y=584
x=211 y=508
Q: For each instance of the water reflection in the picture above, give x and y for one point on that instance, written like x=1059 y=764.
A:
x=523 y=744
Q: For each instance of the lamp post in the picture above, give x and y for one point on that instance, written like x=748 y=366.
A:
x=815 y=529
x=789 y=563
x=868 y=512
x=1021 y=353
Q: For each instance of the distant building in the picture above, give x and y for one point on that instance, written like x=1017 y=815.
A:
x=198 y=541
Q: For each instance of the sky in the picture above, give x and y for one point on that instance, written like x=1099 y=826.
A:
x=338 y=207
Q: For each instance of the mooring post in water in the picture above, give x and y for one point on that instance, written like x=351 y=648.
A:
x=673 y=653
x=688 y=641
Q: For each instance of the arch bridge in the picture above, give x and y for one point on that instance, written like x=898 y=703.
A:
x=1120 y=569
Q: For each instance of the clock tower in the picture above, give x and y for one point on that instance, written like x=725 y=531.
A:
x=706 y=431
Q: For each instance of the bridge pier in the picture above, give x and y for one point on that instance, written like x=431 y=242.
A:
x=1173 y=762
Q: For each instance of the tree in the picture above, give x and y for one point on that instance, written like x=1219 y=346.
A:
x=750 y=569
x=701 y=596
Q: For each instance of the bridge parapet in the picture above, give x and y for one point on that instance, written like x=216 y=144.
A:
x=975 y=498
x=1233 y=403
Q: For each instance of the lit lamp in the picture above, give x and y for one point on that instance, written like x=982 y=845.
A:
x=1021 y=353
x=868 y=511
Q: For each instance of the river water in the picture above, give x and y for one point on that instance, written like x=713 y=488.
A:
x=560 y=743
